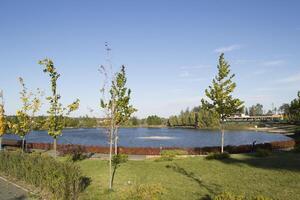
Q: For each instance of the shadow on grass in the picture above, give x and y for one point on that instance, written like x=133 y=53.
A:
x=277 y=161
x=212 y=188
x=21 y=197
x=84 y=183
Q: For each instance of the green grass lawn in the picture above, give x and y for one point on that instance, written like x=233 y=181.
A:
x=277 y=177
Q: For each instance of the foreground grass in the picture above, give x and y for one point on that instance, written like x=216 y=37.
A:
x=277 y=177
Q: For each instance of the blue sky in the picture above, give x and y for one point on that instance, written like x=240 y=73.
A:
x=170 y=49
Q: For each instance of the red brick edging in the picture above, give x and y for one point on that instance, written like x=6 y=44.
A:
x=278 y=145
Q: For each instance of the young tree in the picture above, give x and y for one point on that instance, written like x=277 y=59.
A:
x=220 y=95
x=2 y=119
x=25 y=116
x=117 y=109
x=56 y=112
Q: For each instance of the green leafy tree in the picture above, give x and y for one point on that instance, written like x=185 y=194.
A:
x=115 y=103
x=220 y=98
x=154 y=120
x=2 y=119
x=56 y=112
x=208 y=118
x=256 y=110
x=294 y=109
x=25 y=115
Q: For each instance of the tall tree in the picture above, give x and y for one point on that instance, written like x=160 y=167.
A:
x=2 y=119
x=56 y=112
x=256 y=110
x=25 y=115
x=117 y=108
x=220 y=95
x=294 y=109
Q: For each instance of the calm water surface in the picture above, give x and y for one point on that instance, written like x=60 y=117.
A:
x=155 y=137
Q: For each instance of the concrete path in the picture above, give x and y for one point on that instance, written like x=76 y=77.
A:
x=8 y=191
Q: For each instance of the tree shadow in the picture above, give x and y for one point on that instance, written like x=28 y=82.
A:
x=212 y=188
x=84 y=183
x=21 y=197
x=277 y=161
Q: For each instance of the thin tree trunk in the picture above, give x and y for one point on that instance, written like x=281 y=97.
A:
x=23 y=143
x=116 y=141
x=54 y=146
x=222 y=136
x=222 y=142
x=0 y=143
x=110 y=158
x=113 y=175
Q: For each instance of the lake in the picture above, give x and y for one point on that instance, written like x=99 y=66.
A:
x=154 y=137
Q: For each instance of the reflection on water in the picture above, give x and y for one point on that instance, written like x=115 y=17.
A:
x=155 y=137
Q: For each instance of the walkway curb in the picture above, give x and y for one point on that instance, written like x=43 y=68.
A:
x=22 y=188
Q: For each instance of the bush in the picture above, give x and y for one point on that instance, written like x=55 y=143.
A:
x=75 y=151
x=142 y=192
x=296 y=149
x=217 y=156
x=263 y=152
x=169 y=155
x=62 y=180
x=230 y=196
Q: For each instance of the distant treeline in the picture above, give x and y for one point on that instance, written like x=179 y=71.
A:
x=40 y=122
x=196 y=117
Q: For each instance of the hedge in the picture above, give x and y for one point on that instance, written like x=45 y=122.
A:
x=59 y=180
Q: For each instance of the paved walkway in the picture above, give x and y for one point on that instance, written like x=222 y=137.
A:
x=9 y=191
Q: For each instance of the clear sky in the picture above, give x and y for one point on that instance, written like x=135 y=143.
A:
x=170 y=49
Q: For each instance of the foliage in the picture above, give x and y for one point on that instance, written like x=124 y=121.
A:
x=169 y=155
x=208 y=119
x=228 y=196
x=118 y=159
x=2 y=116
x=56 y=111
x=294 y=109
x=142 y=192
x=154 y=120
x=297 y=149
x=219 y=94
x=63 y=180
x=256 y=110
x=263 y=152
x=76 y=152
x=217 y=156
x=231 y=196
x=3 y=123
x=117 y=109
x=119 y=103
x=31 y=104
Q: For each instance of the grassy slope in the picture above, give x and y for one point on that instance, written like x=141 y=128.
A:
x=277 y=176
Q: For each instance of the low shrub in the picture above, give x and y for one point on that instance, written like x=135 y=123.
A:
x=230 y=196
x=169 y=155
x=76 y=152
x=176 y=152
x=142 y=192
x=296 y=149
x=61 y=180
x=263 y=152
x=217 y=156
